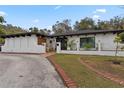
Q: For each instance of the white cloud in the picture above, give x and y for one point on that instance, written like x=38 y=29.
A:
x=57 y=7
x=121 y=6
x=100 y=11
x=96 y=17
x=36 y=21
x=2 y=13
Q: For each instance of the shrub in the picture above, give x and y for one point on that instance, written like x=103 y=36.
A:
x=87 y=46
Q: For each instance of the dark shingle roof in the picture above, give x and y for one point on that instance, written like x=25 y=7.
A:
x=73 y=33
x=22 y=34
x=85 y=32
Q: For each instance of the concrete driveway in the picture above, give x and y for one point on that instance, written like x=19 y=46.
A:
x=27 y=71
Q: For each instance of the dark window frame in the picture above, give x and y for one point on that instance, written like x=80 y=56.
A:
x=87 y=41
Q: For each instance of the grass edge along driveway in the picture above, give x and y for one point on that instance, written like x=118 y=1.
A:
x=83 y=76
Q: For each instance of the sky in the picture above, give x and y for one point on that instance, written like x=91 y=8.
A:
x=44 y=16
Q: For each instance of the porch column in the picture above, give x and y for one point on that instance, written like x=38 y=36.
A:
x=58 y=47
x=78 y=44
x=44 y=48
x=99 y=45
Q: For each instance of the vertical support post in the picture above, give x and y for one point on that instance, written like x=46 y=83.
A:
x=99 y=45
x=44 y=48
x=78 y=44
x=58 y=47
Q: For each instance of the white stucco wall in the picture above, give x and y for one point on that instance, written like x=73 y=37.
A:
x=107 y=45
x=106 y=40
x=27 y=44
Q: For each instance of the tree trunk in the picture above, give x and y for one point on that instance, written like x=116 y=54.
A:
x=116 y=51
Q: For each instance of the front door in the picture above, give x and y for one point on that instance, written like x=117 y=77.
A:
x=64 y=44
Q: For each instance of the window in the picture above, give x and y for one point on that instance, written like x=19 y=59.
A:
x=41 y=40
x=89 y=41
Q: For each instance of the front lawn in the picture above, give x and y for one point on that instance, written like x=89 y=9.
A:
x=83 y=76
x=104 y=64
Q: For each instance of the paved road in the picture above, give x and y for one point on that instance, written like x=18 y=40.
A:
x=27 y=71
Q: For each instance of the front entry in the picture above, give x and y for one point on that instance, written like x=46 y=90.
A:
x=63 y=42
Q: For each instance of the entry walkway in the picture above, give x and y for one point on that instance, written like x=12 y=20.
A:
x=48 y=54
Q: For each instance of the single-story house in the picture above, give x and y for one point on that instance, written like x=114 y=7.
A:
x=94 y=42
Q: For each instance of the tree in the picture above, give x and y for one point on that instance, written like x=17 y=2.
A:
x=117 y=40
x=89 y=24
x=1 y=29
x=76 y=26
x=30 y=28
x=122 y=36
x=103 y=25
x=2 y=20
x=116 y=22
x=46 y=31
x=122 y=39
x=84 y=24
x=42 y=31
x=10 y=29
x=34 y=29
x=61 y=27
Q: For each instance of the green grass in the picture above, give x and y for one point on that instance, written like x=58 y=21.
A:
x=83 y=76
x=104 y=63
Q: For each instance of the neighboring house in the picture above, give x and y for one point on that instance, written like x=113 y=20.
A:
x=94 y=42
